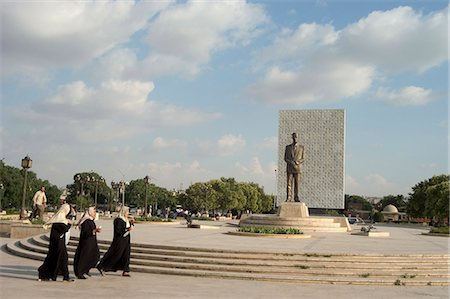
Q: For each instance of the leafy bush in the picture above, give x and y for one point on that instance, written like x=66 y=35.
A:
x=271 y=230
x=203 y=218
x=440 y=230
x=37 y=221
x=153 y=219
x=332 y=213
x=12 y=211
x=378 y=217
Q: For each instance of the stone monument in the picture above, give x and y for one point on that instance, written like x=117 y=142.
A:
x=322 y=134
x=317 y=181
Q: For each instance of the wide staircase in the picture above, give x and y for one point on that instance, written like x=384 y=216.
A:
x=374 y=269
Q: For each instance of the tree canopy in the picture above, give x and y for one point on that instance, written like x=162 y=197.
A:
x=430 y=198
x=12 y=179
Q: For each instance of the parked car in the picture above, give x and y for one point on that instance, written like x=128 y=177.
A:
x=355 y=220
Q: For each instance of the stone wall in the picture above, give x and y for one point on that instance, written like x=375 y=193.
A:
x=322 y=132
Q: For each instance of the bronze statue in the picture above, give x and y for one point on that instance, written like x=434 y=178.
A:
x=294 y=155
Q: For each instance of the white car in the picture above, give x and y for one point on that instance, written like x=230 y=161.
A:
x=355 y=220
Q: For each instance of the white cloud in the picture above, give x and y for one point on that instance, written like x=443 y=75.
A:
x=398 y=40
x=116 y=109
x=117 y=64
x=230 y=144
x=40 y=35
x=410 y=95
x=163 y=143
x=183 y=37
x=302 y=42
x=269 y=143
x=256 y=166
x=173 y=174
x=318 y=63
x=371 y=185
x=325 y=83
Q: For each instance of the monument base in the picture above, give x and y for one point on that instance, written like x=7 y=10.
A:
x=296 y=215
x=289 y=209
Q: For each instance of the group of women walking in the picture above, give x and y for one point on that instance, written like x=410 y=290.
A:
x=87 y=255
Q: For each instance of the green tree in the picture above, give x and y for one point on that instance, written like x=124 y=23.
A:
x=12 y=179
x=201 y=197
x=429 y=199
x=229 y=193
x=358 y=200
x=252 y=198
x=225 y=194
x=87 y=185
x=437 y=201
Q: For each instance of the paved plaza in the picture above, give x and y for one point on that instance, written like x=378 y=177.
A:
x=19 y=275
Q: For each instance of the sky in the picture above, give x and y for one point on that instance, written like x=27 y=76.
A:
x=187 y=91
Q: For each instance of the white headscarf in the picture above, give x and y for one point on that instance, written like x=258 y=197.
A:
x=89 y=214
x=122 y=215
x=59 y=217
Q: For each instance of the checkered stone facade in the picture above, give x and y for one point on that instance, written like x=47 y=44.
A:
x=322 y=133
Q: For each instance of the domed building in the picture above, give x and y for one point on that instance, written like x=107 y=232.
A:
x=390 y=213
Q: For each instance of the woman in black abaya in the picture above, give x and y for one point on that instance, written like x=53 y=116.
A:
x=56 y=262
x=118 y=255
x=87 y=254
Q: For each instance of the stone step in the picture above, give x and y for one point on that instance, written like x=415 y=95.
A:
x=264 y=260
x=296 y=269
x=294 y=278
x=140 y=250
x=281 y=270
x=269 y=253
x=15 y=249
x=304 y=269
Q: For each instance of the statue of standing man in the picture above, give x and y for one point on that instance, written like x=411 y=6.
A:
x=294 y=155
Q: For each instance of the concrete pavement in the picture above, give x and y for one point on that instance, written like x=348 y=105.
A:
x=19 y=275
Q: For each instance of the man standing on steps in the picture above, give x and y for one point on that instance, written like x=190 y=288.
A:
x=294 y=155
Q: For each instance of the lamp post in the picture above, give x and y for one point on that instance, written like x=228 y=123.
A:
x=2 y=190
x=122 y=185
x=146 y=181
x=96 y=181
x=275 y=199
x=26 y=164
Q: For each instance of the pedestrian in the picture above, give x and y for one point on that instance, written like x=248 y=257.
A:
x=56 y=261
x=39 y=204
x=87 y=253
x=118 y=255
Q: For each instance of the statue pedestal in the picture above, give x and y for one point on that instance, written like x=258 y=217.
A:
x=293 y=210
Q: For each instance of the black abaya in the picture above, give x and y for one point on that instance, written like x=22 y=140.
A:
x=118 y=255
x=56 y=261
x=87 y=254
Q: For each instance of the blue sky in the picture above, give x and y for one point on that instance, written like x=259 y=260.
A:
x=190 y=91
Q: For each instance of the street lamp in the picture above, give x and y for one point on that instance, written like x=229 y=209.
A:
x=122 y=185
x=2 y=190
x=26 y=164
x=96 y=181
x=275 y=200
x=146 y=181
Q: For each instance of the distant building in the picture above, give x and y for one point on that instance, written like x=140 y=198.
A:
x=391 y=213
